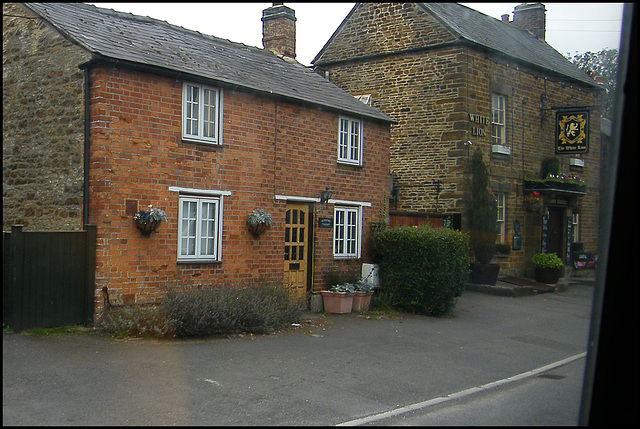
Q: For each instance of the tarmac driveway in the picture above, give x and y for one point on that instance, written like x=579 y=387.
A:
x=351 y=368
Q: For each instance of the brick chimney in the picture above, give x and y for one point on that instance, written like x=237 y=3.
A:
x=279 y=30
x=531 y=16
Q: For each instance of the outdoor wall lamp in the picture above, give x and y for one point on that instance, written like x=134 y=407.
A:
x=324 y=197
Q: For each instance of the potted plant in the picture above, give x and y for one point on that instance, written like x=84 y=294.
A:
x=362 y=295
x=148 y=220
x=483 y=216
x=338 y=299
x=548 y=267
x=258 y=221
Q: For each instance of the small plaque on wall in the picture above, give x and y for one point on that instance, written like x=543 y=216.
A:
x=325 y=222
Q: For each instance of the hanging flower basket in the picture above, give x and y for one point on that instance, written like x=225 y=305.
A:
x=533 y=202
x=148 y=220
x=258 y=221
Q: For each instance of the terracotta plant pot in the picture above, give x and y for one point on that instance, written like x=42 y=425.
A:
x=361 y=301
x=337 y=302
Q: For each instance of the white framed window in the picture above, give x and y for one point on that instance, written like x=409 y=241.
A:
x=498 y=119
x=502 y=209
x=199 y=229
x=350 y=140
x=575 y=230
x=347 y=232
x=201 y=113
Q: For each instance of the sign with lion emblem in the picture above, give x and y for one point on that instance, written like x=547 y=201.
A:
x=572 y=132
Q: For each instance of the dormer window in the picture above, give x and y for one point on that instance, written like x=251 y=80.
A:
x=201 y=113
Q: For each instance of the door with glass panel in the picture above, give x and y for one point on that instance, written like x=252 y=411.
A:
x=296 y=248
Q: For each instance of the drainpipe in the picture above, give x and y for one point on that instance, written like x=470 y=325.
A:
x=85 y=196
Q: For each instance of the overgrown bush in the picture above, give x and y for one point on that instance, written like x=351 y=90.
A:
x=421 y=269
x=137 y=321
x=215 y=311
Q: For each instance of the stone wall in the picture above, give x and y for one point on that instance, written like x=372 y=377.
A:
x=432 y=92
x=43 y=133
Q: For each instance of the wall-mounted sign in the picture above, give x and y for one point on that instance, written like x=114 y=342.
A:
x=480 y=120
x=325 y=222
x=572 y=132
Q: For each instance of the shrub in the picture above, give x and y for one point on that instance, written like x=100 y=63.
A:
x=136 y=321
x=482 y=212
x=213 y=311
x=547 y=260
x=421 y=269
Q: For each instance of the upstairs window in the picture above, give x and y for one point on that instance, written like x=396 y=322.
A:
x=498 y=119
x=200 y=113
x=350 y=141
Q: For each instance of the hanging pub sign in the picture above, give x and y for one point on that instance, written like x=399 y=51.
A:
x=572 y=131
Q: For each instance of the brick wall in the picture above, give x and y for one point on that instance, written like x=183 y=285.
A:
x=270 y=148
x=42 y=115
x=430 y=93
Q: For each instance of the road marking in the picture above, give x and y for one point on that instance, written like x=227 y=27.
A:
x=462 y=393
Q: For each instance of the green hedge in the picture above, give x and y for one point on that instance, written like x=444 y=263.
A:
x=421 y=269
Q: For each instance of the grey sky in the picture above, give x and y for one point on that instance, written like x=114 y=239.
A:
x=571 y=27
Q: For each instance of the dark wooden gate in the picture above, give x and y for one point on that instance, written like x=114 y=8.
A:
x=48 y=278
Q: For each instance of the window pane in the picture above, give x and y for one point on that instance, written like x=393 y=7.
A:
x=355 y=140
x=338 y=236
x=343 y=139
x=191 y=108
x=209 y=116
x=207 y=229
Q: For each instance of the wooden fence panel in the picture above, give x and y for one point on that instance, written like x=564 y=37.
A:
x=51 y=278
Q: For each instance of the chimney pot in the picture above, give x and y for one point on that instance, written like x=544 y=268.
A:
x=279 y=30
x=505 y=18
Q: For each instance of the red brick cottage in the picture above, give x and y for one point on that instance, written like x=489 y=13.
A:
x=451 y=76
x=106 y=113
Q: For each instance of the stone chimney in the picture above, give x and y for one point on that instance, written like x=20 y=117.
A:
x=279 y=30
x=531 y=16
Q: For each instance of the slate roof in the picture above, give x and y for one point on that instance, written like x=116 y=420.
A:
x=477 y=28
x=150 y=42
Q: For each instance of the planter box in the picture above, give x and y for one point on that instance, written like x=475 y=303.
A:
x=485 y=274
x=361 y=301
x=548 y=275
x=337 y=302
x=557 y=186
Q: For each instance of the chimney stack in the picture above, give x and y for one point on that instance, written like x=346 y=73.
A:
x=505 y=18
x=531 y=16
x=279 y=30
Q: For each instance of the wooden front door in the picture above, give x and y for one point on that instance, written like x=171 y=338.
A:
x=296 y=249
x=556 y=231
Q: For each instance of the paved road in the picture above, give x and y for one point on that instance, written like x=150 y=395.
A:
x=352 y=369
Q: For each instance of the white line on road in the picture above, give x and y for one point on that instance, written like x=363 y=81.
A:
x=462 y=393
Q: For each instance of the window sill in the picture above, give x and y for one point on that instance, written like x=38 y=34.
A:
x=349 y=164
x=185 y=140
x=198 y=262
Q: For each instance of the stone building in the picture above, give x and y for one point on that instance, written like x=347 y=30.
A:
x=455 y=80
x=106 y=113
